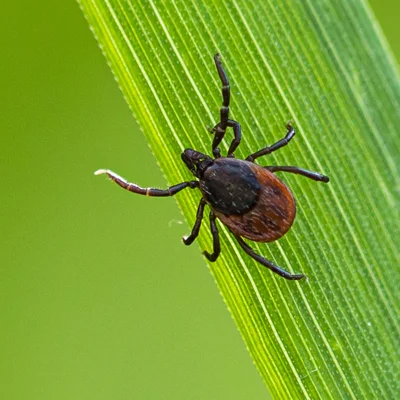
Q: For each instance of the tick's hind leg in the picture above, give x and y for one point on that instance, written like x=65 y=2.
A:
x=267 y=263
x=280 y=143
x=196 y=227
x=131 y=187
x=315 y=176
x=216 y=246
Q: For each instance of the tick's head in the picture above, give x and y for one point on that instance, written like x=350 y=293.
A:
x=196 y=162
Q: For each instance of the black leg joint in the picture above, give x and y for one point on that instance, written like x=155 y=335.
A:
x=210 y=257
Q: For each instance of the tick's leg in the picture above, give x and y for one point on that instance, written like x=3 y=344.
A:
x=267 y=263
x=196 y=228
x=315 y=176
x=237 y=131
x=216 y=247
x=218 y=136
x=275 y=146
x=147 y=191
x=220 y=128
x=226 y=92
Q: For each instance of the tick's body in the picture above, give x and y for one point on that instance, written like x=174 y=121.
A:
x=249 y=199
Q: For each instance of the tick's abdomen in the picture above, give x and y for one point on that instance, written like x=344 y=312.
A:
x=250 y=200
x=230 y=186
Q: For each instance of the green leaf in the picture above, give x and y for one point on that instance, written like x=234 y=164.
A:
x=324 y=65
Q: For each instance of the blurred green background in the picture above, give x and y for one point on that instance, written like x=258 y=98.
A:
x=98 y=296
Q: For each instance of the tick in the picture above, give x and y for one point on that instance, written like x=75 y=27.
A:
x=247 y=198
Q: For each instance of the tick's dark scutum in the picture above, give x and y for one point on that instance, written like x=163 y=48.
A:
x=230 y=186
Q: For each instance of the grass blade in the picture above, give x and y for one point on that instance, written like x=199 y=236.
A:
x=325 y=66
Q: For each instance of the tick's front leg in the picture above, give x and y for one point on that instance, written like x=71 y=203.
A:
x=132 y=187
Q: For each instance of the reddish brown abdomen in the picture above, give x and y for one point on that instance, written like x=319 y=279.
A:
x=272 y=215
